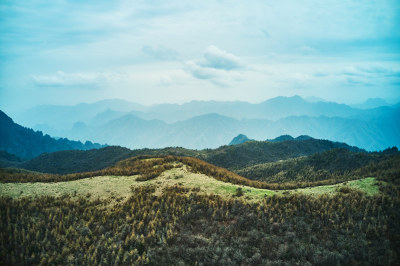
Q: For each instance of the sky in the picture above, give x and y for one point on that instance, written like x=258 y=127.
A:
x=149 y=52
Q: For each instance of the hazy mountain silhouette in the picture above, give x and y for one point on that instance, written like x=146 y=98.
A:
x=63 y=117
x=371 y=103
x=213 y=130
x=199 y=124
x=27 y=143
x=239 y=139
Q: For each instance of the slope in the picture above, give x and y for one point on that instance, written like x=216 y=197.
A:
x=336 y=164
x=255 y=152
x=26 y=143
x=328 y=168
x=100 y=221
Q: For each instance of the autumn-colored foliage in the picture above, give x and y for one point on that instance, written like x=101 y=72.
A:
x=181 y=227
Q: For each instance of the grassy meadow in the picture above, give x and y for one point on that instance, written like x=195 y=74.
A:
x=119 y=187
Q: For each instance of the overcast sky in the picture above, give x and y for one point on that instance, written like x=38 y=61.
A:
x=66 y=52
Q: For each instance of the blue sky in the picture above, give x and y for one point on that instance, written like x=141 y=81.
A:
x=66 y=52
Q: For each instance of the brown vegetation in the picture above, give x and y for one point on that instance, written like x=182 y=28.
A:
x=184 y=227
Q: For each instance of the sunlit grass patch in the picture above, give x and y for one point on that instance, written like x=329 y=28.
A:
x=117 y=187
x=367 y=185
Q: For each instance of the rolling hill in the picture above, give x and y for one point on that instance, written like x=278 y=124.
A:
x=231 y=157
x=337 y=164
x=176 y=210
x=254 y=152
x=155 y=208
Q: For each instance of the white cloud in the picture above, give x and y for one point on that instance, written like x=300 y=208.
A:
x=218 y=66
x=201 y=72
x=61 y=78
x=220 y=59
x=372 y=71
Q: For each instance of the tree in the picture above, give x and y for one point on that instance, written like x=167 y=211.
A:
x=239 y=192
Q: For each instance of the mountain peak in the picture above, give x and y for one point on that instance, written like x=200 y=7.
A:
x=239 y=139
x=303 y=137
x=371 y=103
x=281 y=138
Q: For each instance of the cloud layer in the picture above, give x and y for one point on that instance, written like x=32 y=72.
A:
x=177 y=51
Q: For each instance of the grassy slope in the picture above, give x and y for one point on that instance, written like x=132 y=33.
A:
x=117 y=187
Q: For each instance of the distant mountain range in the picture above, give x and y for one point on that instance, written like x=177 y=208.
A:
x=272 y=109
x=27 y=143
x=371 y=103
x=199 y=125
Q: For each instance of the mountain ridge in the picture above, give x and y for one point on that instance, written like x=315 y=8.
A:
x=27 y=143
x=228 y=156
x=214 y=130
x=190 y=124
x=271 y=109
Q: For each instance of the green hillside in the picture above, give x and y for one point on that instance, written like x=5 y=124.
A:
x=336 y=164
x=178 y=174
x=233 y=157
x=333 y=207
x=182 y=216
x=255 y=152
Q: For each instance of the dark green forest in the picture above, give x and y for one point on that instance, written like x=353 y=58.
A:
x=233 y=157
x=337 y=164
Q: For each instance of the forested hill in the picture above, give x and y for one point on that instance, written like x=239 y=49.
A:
x=27 y=143
x=232 y=157
x=255 y=152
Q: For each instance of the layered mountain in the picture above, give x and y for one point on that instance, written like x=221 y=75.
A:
x=214 y=130
x=371 y=103
x=58 y=117
x=272 y=109
x=27 y=143
x=199 y=125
